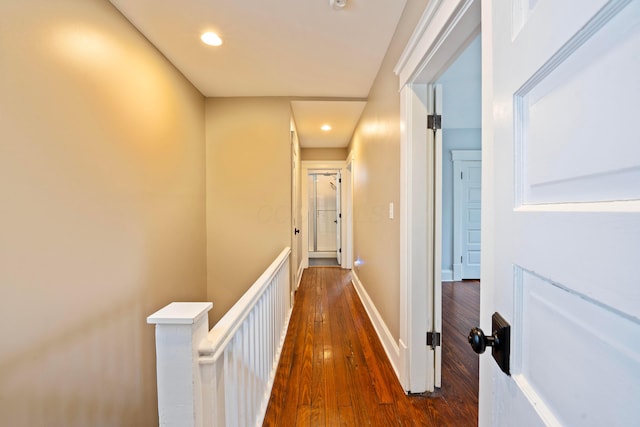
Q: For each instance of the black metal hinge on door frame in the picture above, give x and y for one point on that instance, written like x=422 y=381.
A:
x=434 y=121
x=433 y=339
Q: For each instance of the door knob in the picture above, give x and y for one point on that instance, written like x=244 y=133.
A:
x=296 y=231
x=479 y=341
x=499 y=341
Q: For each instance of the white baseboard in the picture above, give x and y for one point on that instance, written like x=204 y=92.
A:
x=388 y=343
x=329 y=254
x=447 y=275
x=299 y=276
x=404 y=365
x=457 y=272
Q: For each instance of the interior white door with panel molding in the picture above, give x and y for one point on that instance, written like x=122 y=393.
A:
x=467 y=196
x=561 y=211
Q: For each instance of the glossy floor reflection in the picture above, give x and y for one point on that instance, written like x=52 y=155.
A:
x=334 y=371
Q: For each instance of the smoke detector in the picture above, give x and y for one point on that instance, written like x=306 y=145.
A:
x=338 y=4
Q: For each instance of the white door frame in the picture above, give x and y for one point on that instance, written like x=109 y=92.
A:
x=458 y=156
x=444 y=30
x=346 y=203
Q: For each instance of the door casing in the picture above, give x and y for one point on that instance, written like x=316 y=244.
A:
x=443 y=31
x=345 y=169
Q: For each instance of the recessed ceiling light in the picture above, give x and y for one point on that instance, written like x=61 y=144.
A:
x=212 y=39
x=325 y=128
x=338 y=4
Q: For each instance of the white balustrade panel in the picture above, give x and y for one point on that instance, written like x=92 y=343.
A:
x=226 y=375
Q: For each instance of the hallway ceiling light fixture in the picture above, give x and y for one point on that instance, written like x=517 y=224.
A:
x=338 y=4
x=212 y=39
x=325 y=128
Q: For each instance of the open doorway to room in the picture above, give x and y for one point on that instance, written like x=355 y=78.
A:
x=324 y=242
x=459 y=185
x=326 y=213
x=446 y=29
x=459 y=207
x=461 y=165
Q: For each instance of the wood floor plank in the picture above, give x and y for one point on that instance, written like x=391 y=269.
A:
x=334 y=371
x=379 y=385
x=318 y=391
x=332 y=415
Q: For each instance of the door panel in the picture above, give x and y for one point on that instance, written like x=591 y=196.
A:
x=471 y=217
x=338 y=184
x=567 y=97
x=586 y=338
x=564 y=206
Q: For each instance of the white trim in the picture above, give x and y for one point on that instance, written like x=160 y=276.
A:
x=447 y=275
x=457 y=269
x=298 y=277
x=322 y=164
x=466 y=155
x=419 y=31
x=306 y=166
x=436 y=245
x=413 y=236
x=403 y=367
x=347 y=213
x=388 y=343
x=325 y=254
x=444 y=30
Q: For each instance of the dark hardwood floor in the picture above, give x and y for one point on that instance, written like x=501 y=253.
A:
x=333 y=370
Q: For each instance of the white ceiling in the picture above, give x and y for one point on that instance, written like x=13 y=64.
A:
x=293 y=48
x=311 y=115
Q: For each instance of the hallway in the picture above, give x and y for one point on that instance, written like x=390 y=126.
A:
x=333 y=369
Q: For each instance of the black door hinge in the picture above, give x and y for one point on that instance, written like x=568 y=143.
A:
x=434 y=121
x=433 y=339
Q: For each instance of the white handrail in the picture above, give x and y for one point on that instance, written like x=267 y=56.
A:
x=220 y=335
x=222 y=377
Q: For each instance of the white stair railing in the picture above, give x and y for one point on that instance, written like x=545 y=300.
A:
x=222 y=377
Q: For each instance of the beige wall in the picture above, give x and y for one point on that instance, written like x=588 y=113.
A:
x=248 y=193
x=322 y=154
x=102 y=217
x=376 y=150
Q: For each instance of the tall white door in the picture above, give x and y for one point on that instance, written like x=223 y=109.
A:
x=561 y=211
x=339 y=218
x=470 y=174
x=296 y=246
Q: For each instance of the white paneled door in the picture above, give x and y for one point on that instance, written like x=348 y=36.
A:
x=470 y=177
x=467 y=176
x=561 y=211
x=338 y=220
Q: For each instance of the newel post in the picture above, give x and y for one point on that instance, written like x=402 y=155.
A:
x=180 y=326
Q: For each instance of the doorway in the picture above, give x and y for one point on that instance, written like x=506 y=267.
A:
x=446 y=29
x=453 y=157
x=320 y=244
x=461 y=164
x=324 y=189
